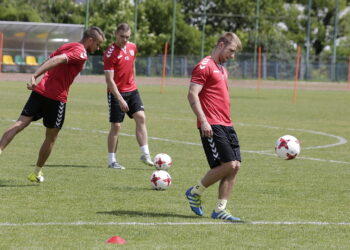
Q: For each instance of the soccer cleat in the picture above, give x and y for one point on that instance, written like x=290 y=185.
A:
x=36 y=178
x=224 y=215
x=195 y=202
x=116 y=165
x=146 y=158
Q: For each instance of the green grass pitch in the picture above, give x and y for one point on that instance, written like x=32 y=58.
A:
x=298 y=204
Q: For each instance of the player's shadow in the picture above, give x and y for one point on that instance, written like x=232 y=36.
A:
x=145 y=214
x=86 y=166
x=129 y=188
x=5 y=184
x=70 y=166
x=139 y=168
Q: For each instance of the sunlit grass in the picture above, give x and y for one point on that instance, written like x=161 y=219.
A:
x=80 y=188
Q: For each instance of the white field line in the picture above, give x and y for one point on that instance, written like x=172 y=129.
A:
x=84 y=223
x=341 y=140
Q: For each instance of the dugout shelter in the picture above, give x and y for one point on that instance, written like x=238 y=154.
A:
x=25 y=45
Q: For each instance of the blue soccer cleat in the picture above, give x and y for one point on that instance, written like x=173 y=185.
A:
x=224 y=215
x=195 y=202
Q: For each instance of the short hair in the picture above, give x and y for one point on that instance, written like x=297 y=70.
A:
x=230 y=37
x=93 y=32
x=123 y=27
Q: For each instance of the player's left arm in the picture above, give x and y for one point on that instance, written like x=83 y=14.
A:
x=193 y=99
x=47 y=65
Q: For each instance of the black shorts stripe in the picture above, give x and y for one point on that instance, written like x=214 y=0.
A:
x=214 y=151
x=222 y=147
x=60 y=114
x=39 y=106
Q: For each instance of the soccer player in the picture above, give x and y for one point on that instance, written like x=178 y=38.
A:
x=49 y=96
x=123 y=96
x=209 y=98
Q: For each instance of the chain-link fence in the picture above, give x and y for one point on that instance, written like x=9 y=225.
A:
x=242 y=67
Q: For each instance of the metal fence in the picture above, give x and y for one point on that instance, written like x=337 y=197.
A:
x=242 y=67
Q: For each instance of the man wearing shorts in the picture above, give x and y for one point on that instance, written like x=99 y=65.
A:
x=49 y=96
x=123 y=96
x=209 y=98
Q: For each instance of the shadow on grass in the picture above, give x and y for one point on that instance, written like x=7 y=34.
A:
x=140 y=168
x=129 y=188
x=70 y=166
x=86 y=166
x=145 y=214
x=4 y=183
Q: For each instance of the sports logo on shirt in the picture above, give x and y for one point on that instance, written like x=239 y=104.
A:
x=204 y=63
x=83 y=55
x=132 y=53
x=110 y=51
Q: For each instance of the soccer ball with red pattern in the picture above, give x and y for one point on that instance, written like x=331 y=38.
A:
x=162 y=161
x=160 y=180
x=287 y=147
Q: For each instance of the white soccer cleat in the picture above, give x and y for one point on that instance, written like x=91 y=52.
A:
x=146 y=158
x=116 y=165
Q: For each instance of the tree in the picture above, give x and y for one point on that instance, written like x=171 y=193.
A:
x=9 y=11
x=108 y=14
x=344 y=31
x=61 y=11
x=159 y=15
x=322 y=24
x=239 y=16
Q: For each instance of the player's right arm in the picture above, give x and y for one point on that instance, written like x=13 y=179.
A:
x=193 y=99
x=114 y=90
x=47 y=65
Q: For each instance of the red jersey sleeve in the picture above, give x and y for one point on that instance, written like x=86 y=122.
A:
x=76 y=55
x=200 y=72
x=108 y=58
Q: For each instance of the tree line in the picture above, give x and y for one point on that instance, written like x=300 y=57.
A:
x=275 y=25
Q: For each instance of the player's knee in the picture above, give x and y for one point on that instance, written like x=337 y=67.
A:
x=115 y=127
x=234 y=166
x=20 y=125
x=140 y=117
x=52 y=134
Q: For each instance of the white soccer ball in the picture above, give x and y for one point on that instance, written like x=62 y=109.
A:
x=287 y=147
x=162 y=161
x=160 y=180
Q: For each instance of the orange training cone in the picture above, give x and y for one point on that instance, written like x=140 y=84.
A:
x=116 y=240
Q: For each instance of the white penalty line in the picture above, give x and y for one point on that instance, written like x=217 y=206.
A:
x=84 y=223
x=341 y=141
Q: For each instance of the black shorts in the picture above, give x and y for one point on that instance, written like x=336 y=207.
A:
x=133 y=99
x=222 y=147
x=52 y=111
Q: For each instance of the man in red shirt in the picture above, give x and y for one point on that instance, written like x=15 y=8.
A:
x=49 y=96
x=123 y=96
x=209 y=98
